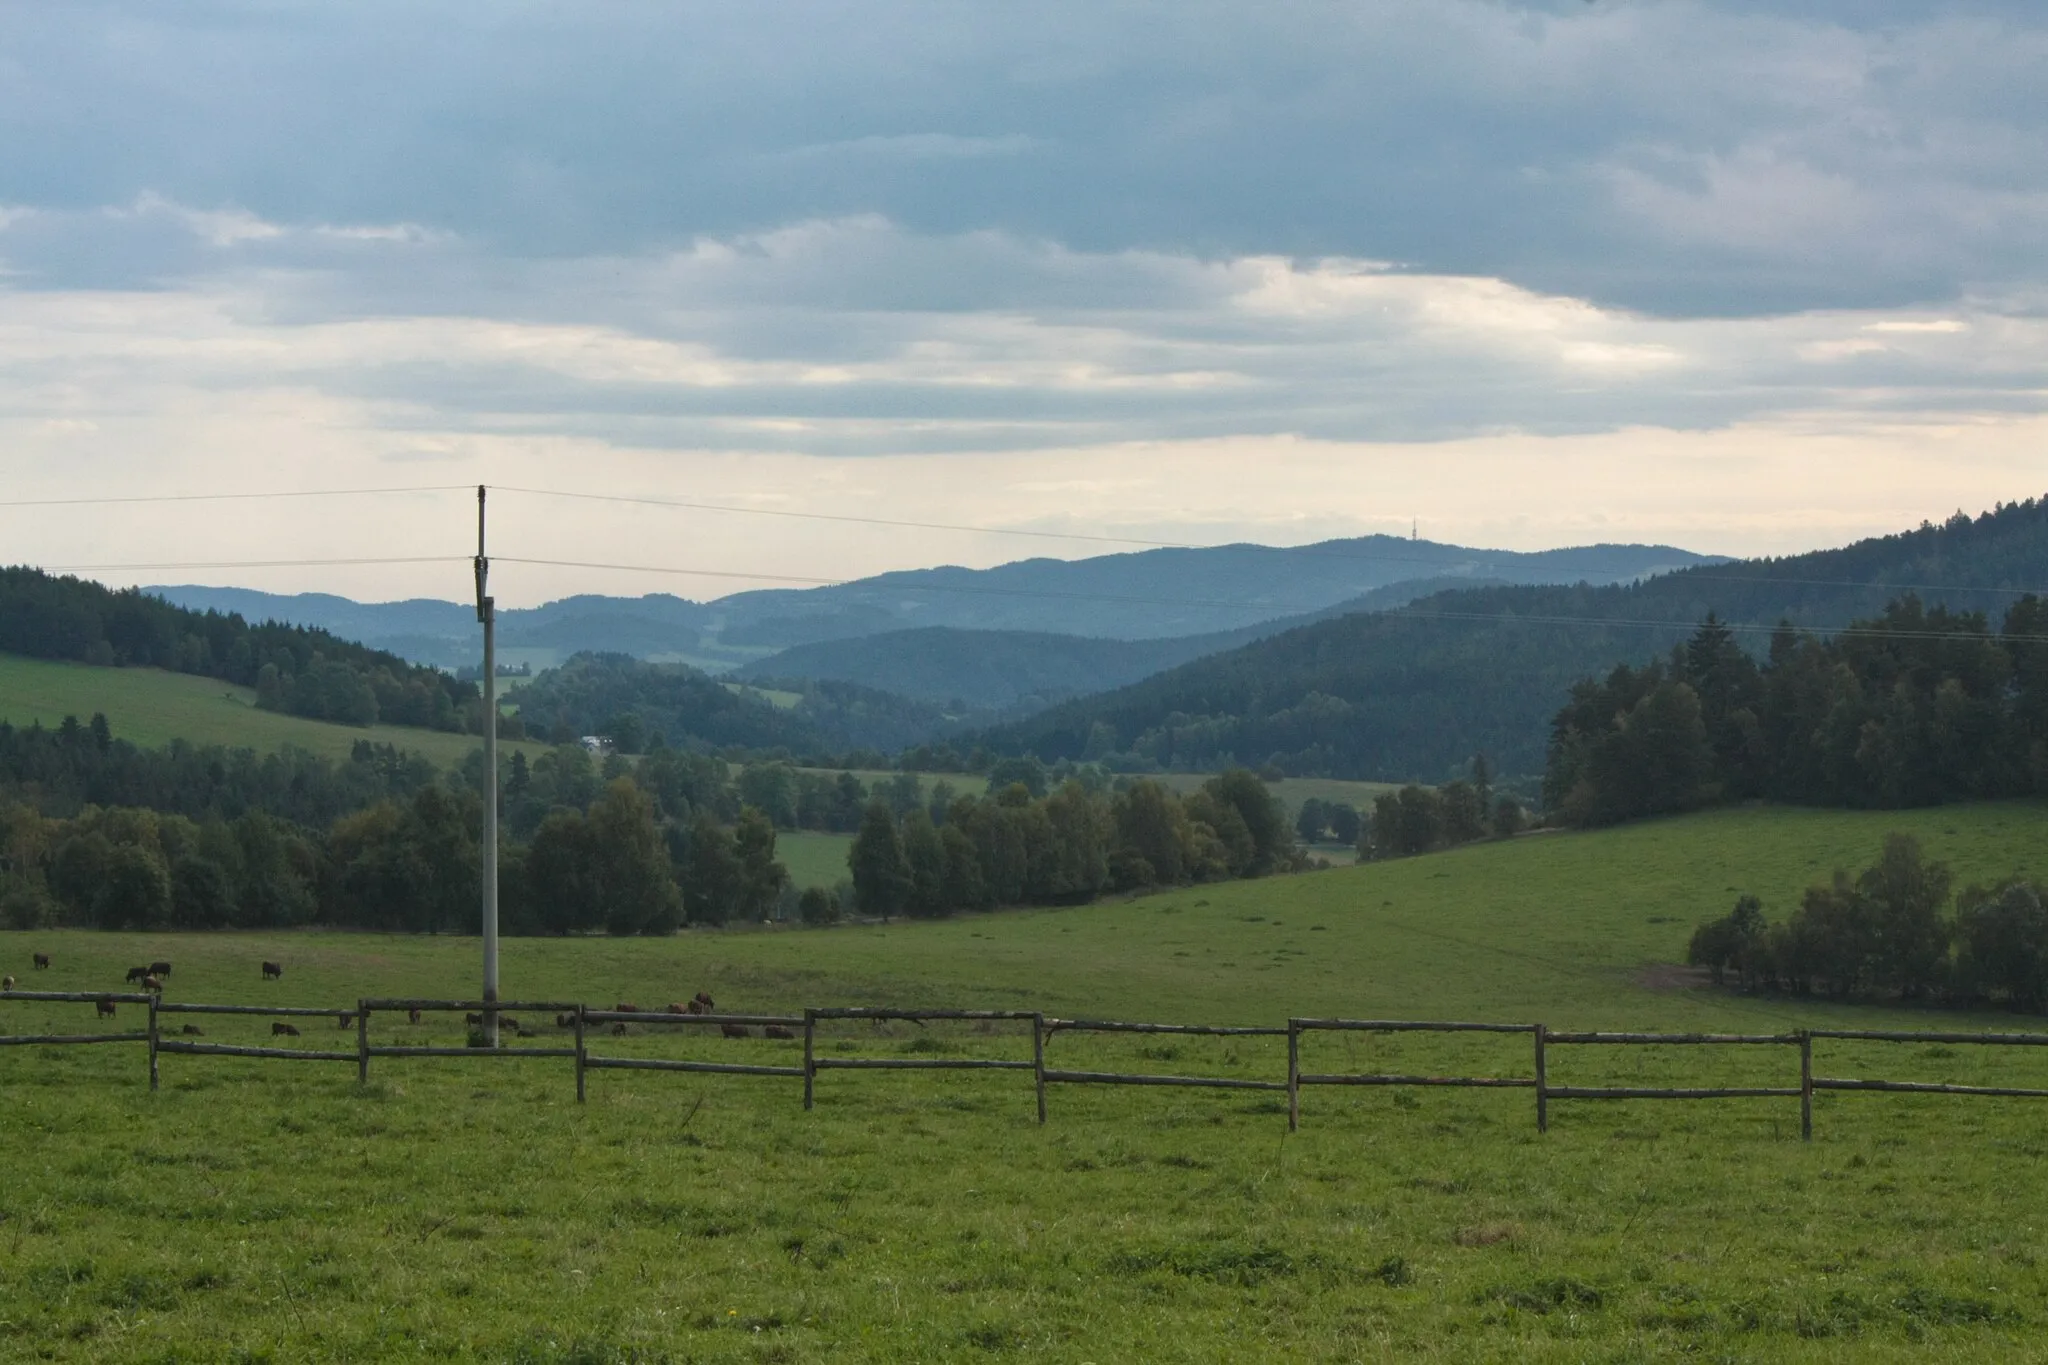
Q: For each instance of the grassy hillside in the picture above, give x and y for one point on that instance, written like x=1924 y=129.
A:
x=473 y=1212
x=152 y=707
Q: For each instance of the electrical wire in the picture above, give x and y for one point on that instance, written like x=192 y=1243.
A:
x=234 y=497
x=251 y=563
x=1392 y=613
x=1478 y=561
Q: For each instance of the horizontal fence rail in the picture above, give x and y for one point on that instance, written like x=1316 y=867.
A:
x=578 y=1017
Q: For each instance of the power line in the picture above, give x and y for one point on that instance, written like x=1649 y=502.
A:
x=1394 y=613
x=234 y=497
x=1475 y=558
x=251 y=564
x=1472 y=560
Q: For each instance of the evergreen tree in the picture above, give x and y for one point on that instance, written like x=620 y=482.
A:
x=881 y=878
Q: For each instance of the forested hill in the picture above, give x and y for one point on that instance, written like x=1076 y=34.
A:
x=1414 y=693
x=295 y=669
x=1024 y=671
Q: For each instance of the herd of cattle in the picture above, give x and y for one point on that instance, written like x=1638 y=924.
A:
x=151 y=979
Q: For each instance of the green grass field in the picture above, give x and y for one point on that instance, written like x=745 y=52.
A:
x=813 y=858
x=151 y=707
x=471 y=1210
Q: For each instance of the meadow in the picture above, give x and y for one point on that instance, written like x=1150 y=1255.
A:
x=471 y=1210
x=151 y=707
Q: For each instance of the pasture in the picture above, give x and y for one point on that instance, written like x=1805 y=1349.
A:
x=150 y=707
x=471 y=1210
x=814 y=858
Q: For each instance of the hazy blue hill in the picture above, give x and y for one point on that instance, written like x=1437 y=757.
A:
x=1414 y=693
x=1145 y=595
x=1158 y=594
x=1008 y=669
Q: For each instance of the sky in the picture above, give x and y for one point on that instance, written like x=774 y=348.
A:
x=1745 y=277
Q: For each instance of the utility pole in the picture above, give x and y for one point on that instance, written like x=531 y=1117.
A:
x=486 y=612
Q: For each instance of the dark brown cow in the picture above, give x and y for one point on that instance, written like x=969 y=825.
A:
x=136 y=973
x=105 y=1008
x=159 y=969
x=703 y=998
x=694 y=1007
x=412 y=1016
x=280 y=1029
x=674 y=1008
x=150 y=983
x=623 y=1007
x=42 y=961
x=618 y=1030
x=345 y=1021
x=272 y=971
x=734 y=1030
x=776 y=1031
x=565 y=1021
x=507 y=1021
x=191 y=1031
x=473 y=1020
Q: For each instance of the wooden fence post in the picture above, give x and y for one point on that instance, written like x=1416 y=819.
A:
x=1293 y=1074
x=579 y=1053
x=1038 y=1059
x=362 y=1043
x=1542 y=1086
x=810 y=1054
x=152 y=1042
x=1805 y=1085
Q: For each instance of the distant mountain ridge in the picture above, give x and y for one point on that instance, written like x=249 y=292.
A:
x=1028 y=670
x=1413 y=693
x=1142 y=595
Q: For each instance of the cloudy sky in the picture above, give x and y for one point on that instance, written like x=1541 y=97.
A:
x=1737 y=275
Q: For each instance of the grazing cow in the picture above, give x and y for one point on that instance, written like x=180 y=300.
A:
x=694 y=1007
x=42 y=961
x=105 y=1007
x=412 y=1016
x=507 y=1021
x=273 y=971
x=624 y=1007
x=151 y=984
x=345 y=1021
x=6 y=983
x=565 y=1021
x=776 y=1031
x=280 y=1029
x=618 y=1030
x=159 y=969
x=191 y=1031
x=674 y=1008
x=473 y=1020
x=734 y=1030
x=137 y=973
x=704 y=998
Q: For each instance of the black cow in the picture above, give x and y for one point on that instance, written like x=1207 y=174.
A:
x=42 y=961
x=273 y=971
x=280 y=1029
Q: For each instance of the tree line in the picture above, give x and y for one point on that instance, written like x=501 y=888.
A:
x=294 y=669
x=1913 y=707
x=1889 y=930
x=1014 y=847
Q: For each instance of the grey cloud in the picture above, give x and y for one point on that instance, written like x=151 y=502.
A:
x=1681 y=156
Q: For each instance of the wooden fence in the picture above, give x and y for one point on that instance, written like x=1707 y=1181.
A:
x=1044 y=1029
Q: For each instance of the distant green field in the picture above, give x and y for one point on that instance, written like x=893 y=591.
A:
x=152 y=707
x=472 y=1211
x=813 y=859
x=1291 y=791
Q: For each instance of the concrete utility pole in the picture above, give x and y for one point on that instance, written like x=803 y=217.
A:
x=486 y=612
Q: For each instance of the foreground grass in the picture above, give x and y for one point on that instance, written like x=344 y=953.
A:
x=151 y=707
x=473 y=1211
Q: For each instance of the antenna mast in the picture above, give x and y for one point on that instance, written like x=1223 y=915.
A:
x=486 y=612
